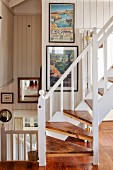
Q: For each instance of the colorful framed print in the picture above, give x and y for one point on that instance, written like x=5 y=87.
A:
x=7 y=98
x=58 y=60
x=61 y=22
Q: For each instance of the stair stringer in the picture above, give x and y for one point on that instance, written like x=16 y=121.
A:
x=105 y=104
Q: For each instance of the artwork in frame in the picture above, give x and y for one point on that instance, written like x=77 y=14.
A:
x=61 y=22
x=7 y=98
x=58 y=60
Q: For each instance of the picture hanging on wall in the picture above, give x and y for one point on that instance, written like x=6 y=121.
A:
x=58 y=60
x=61 y=22
x=6 y=98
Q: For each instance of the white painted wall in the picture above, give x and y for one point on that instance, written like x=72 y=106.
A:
x=6 y=44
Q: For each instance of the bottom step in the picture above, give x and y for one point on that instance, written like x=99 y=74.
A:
x=57 y=147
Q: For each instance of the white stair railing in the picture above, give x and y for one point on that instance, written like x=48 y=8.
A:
x=15 y=145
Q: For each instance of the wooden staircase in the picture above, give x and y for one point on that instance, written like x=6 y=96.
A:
x=56 y=147
x=96 y=105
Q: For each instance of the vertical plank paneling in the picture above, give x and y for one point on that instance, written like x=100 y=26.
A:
x=100 y=18
x=111 y=8
x=29 y=46
x=87 y=14
x=19 y=51
x=33 y=51
x=15 y=54
x=93 y=10
x=106 y=12
x=79 y=12
x=19 y=47
x=24 y=52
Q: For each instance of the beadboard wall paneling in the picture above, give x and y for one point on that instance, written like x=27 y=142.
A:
x=6 y=45
x=27 y=53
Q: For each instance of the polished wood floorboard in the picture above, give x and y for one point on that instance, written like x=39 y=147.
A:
x=77 y=163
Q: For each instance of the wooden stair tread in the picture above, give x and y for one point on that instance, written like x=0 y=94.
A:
x=89 y=103
x=110 y=79
x=80 y=115
x=101 y=91
x=57 y=147
x=69 y=129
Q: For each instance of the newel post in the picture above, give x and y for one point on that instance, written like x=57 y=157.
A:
x=41 y=129
x=95 y=101
x=3 y=144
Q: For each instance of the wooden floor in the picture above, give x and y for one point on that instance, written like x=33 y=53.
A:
x=77 y=163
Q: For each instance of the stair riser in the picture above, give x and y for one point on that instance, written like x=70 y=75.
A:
x=75 y=118
x=71 y=135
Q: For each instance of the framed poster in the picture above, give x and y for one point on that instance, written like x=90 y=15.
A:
x=58 y=59
x=61 y=22
x=7 y=98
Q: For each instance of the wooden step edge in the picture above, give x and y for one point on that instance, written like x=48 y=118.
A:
x=78 y=136
x=78 y=119
x=59 y=154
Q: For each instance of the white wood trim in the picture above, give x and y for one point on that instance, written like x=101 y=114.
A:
x=61 y=97
x=51 y=105
x=95 y=103
x=72 y=89
x=105 y=66
x=41 y=132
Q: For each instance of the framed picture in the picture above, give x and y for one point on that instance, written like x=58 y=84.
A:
x=61 y=22
x=58 y=59
x=7 y=98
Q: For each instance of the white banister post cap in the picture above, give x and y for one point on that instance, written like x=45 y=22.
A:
x=41 y=92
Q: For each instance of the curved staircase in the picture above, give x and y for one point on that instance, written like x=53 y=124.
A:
x=76 y=122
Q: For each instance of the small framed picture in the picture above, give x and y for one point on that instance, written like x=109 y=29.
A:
x=7 y=98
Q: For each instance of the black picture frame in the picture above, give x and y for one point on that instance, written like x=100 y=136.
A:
x=6 y=98
x=57 y=63
x=62 y=22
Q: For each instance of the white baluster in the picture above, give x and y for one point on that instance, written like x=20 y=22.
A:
x=105 y=66
x=14 y=147
x=95 y=102
x=41 y=130
x=62 y=96
x=51 y=105
x=89 y=64
x=83 y=78
x=18 y=143
x=72 y=89
x=24 y=146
